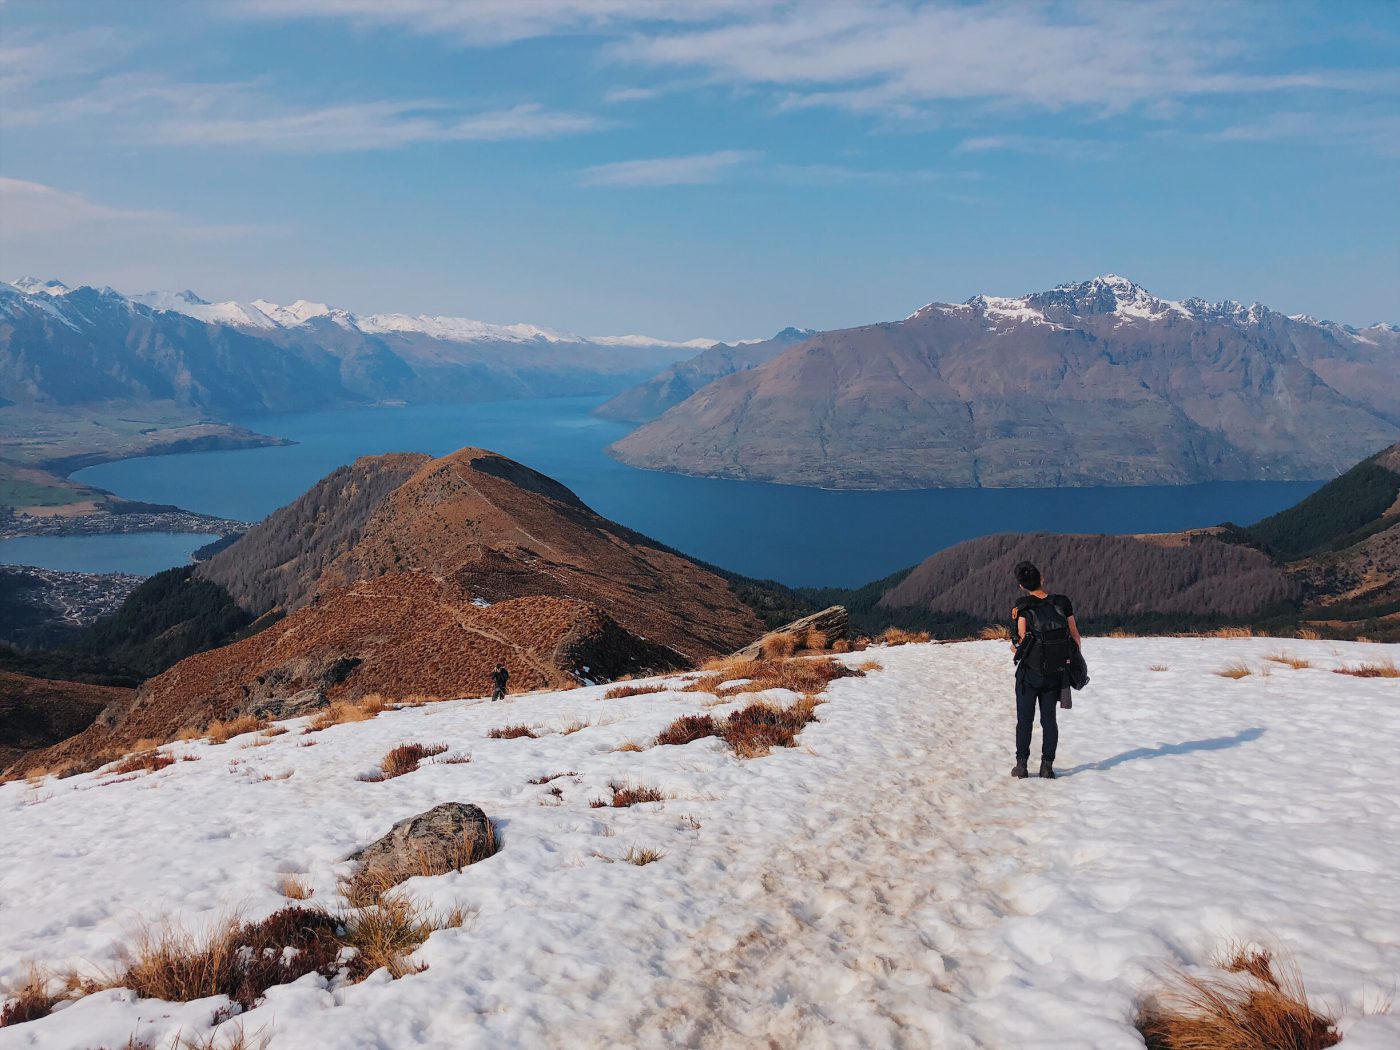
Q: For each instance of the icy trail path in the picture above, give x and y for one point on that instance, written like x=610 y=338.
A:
x=886 y=884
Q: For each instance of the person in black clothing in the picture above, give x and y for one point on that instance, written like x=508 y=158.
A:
x=499 y=678
x=1040 y=620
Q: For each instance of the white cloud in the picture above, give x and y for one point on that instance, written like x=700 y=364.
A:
x=374 y=126
x=695 y=169
x=34 y=211
x=1073 y=149
x=485 y=22
x=899 y=58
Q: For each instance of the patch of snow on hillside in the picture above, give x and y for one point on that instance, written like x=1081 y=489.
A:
x=884 y=883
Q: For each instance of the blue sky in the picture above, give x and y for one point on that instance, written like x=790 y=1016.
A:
x=714 y=169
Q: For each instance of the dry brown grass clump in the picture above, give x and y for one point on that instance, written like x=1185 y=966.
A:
x=294 y=887
x=152 y=760
x=221 y=732
x=1230 y=632
x=779 y=646
x=624 y=795
x=1158 y=667
x=240 y=960
x=643 y=855
x=995 y=633
x=618 y=692
x=1265 y=1009
x=1295 y=662
x=387 y=932
x=32 y=999
x=814 y=641
x=548 y=777
x=513 y=732
x=405 y=758
x=629 y=745
x=687 y=728
x=804 y=675
x=1235 y=669
x=362 y=710
x=869 y=666
x=755 y=730
x=1308 y=634
x=1382 y=669
x=899 y=636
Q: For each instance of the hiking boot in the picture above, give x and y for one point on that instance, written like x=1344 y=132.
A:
x=1047 y=770
x=1020 y=772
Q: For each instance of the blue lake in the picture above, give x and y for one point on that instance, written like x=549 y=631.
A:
x=138 y=553
x=799 y=536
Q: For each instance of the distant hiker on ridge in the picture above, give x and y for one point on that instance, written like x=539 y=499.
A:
x=1045 y=639
x=499 y=678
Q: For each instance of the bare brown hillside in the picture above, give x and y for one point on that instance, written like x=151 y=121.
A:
x=36 y=713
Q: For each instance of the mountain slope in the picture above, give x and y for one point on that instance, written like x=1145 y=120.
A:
x=646 y=401
x=1088 y=384
x=61 y=346
x=405 y=575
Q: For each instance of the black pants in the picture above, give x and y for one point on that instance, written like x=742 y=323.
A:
x=1029 y=694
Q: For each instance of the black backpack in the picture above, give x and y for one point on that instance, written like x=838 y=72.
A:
x=1051 y=647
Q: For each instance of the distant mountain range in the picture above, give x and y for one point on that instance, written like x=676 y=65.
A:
x=61 y=345
x=1093 y=383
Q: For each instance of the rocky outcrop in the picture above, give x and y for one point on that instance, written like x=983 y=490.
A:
x=831 y=625
x=1092 y=384
x=445 y=838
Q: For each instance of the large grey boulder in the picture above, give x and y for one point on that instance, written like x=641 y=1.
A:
x=832 y=623
x=445 y=838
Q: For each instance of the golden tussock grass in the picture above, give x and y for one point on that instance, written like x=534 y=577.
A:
x=1295 y=662
x=221 y=732
x=814 y=641
x=1257 y=1004
x=1235 y=669
x=750 y=732
x=576 y=725
x=629 y=745
x=619 y=692
x=643 y=855
x=341 y=711
x=1158 y=667
x=1230 y=632
x=387 y=932
x=225 y=1037
x=511 y=732
x=870 y=665
x=995 y=633
x=36 y=994
x=550 y=776
x=780 y=645
x=899 y=636
x=405 y=758
x=625 y=794
x=294 y=887
x=1379 y=669
x=144 y=760
x=1307 y=634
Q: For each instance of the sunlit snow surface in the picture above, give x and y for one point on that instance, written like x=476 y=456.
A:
x=884 y=884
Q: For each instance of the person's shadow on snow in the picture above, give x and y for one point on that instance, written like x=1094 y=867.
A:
x=1217 y=743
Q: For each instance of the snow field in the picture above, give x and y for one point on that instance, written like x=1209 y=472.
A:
x=885 y=883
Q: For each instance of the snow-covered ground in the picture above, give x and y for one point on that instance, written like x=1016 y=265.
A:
x=885 y=884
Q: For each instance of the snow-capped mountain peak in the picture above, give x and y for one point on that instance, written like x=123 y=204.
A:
x=35 y=286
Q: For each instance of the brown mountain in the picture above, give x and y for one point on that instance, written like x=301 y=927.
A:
x=1088 y=384
x=1331 y=562
x=406 y=575
x=36 y=713
x=646 y=401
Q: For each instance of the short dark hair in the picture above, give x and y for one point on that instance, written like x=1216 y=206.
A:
x=1028 y=576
